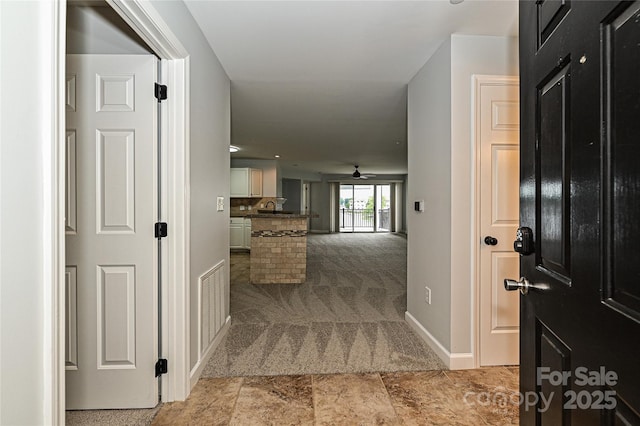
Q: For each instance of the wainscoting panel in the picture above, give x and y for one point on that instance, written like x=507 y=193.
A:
x=212 y=305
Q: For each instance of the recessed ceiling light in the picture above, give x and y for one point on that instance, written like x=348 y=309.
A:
x=277 y=156
x=233 y=148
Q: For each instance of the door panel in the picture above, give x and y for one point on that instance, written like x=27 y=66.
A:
x=505 y=179
x=504 y=306
x=553 y=110
x=111 y=251
x=116 y=181
x=550 y=13
x=70 y=184
x=116 y=317
x=555 y=356
x=71 y=318
x=579 y=192
x=621 y=187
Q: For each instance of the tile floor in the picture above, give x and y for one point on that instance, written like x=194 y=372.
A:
x=485 y=396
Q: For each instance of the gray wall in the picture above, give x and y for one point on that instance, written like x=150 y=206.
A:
x=292 y=191
x=210 y=138
x=429 y=161
x=441 y=160
x=100 y=30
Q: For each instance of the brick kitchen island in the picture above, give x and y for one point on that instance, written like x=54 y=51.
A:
x=278 y=248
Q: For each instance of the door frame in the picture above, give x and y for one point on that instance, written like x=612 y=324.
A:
x=478 y=80
x=142 y=17
x=175 y=195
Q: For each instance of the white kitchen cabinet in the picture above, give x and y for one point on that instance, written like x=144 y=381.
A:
x=246 y=182
x=236 y=232
x=239 y=182
x=255 y=179
x=240 y=233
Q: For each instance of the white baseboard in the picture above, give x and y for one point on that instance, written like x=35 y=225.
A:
x=196 y=371
x=453 y=361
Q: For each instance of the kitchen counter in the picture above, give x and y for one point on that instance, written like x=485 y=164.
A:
x=278 y=248
x=291 y=215
x=255 y=213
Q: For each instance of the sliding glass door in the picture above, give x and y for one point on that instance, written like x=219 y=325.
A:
x=365 y=208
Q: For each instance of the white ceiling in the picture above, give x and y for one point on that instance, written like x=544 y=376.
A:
x=324 y=83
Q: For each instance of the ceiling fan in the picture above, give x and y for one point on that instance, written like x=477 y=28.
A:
x=357 y=175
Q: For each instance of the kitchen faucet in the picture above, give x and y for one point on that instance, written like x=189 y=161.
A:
x=266 y=206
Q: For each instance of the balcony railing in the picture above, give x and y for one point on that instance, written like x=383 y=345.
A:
x=362 y=219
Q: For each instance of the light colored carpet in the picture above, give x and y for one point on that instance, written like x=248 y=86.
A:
x=139 y=417
x=347 y=318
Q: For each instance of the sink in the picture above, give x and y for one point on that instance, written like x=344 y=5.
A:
x=262 y=211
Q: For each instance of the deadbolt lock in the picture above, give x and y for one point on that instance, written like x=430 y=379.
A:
x=524 y=241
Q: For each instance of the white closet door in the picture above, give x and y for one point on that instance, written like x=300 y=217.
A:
x=111 y=256
x=499 y=206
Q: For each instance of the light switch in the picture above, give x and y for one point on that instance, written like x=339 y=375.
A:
x=220 y=203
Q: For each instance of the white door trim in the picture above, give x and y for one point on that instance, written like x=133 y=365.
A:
x=478 y=81
x=54 y=219
x=146 y=21
x=50 y=122
x=175 y=386
x=149 y=25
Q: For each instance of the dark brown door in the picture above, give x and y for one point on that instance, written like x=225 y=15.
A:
x=580 y=195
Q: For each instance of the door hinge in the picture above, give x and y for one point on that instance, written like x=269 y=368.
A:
x=162 y=367
x=161 y=229
x=161 y=92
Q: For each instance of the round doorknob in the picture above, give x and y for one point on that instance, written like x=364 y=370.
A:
x=490 y=241
x=522 y=284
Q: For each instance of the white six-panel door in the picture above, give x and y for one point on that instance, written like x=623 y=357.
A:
x=499 y=203
x=111 y=342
